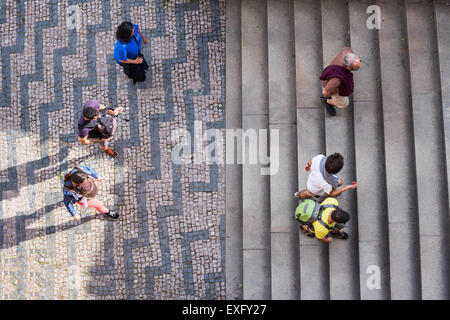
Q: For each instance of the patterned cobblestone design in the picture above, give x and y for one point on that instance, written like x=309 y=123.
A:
x=169 y=241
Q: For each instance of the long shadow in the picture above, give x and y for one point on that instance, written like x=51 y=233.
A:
x=32 y=178
x=22 y=221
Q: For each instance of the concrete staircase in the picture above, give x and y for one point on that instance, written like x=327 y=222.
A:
x=394 y=136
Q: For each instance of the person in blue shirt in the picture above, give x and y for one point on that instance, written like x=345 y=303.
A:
x=80 y=187
x=128 y=51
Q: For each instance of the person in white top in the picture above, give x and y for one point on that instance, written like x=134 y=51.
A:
x=322 y=179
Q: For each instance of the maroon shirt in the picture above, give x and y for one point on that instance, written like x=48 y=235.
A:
x=346 y=76
x=83 y=133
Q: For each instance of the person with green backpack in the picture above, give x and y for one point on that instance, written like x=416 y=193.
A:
x=322 y=220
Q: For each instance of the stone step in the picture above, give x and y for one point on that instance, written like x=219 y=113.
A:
x=255 y=186
x=314 y=270
x=282 y=118
x=343 y=255
x=233 y=237
x=396 y=128
x=399 y=153
x=429 y=149
x=442 y=14
x=369 y=156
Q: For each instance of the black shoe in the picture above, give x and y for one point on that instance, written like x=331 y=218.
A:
x=340 y=235
x=323 y=99
x=331 y=110
x=114 y=215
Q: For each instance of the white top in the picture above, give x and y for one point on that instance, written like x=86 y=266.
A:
x=316 y=183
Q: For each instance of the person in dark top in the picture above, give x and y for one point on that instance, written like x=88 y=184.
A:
x=128 y=51
x=79 y=187
x=337 y=80
x=91 y=112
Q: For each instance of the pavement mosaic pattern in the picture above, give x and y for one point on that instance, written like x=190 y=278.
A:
x=169 y=241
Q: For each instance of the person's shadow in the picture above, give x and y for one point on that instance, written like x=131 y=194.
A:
x=37 y=171
x=22 y=221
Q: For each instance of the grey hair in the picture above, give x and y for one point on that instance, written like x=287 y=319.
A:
x=350 y=59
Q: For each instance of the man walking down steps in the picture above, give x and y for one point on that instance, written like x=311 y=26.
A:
x=337 y=80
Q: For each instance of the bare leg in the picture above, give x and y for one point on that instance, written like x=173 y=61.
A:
x=306 y=194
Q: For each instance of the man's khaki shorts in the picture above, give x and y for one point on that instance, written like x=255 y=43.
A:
x=340 y=101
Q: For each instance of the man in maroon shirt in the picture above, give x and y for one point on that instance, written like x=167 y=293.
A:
x=337 y=80
x=91 y=112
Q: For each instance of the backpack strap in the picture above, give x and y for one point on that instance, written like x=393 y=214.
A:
x=326 y=206
x=137 y=43
x=323 y=223
x=319 y=216
x=91 y=124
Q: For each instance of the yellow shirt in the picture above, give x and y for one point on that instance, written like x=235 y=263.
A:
x=319 y=230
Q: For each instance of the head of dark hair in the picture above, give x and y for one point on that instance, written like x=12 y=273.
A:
x=78 y=177
x=334 y=163
x=90 y=113
x=124 y=30
x=340 y=216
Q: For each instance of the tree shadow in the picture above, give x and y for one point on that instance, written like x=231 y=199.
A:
x=22 y=221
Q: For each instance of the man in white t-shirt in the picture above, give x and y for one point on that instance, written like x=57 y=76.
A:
x=322 y=179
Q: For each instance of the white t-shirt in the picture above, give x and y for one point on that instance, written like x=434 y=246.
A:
x=316 y=183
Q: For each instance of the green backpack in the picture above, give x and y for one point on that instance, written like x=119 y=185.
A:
x=307 y=211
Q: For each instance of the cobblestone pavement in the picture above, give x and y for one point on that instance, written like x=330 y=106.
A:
x=169 y=241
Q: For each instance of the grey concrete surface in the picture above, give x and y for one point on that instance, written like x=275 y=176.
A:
x=233 y=240
x=399 y=153
x=369 y=155
x=308 y=52
x=441 y=16
x=256 y=187
x=344 y=264
x=284 y=266
x=282 y=118
x=429 y=143
x=314 y=269
x=256 y=274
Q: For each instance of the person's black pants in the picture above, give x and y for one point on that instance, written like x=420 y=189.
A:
x=136 y=71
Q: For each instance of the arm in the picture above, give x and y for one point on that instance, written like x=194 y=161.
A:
x=132 y=61
x=335 y=193
x=143 y=38
x=69 y=199
x=90 y=171
x=85 y=140
x=308 y=165
x=114 y=112
x=326 y=239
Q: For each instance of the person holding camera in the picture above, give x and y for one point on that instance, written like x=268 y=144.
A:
x=97 y=124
